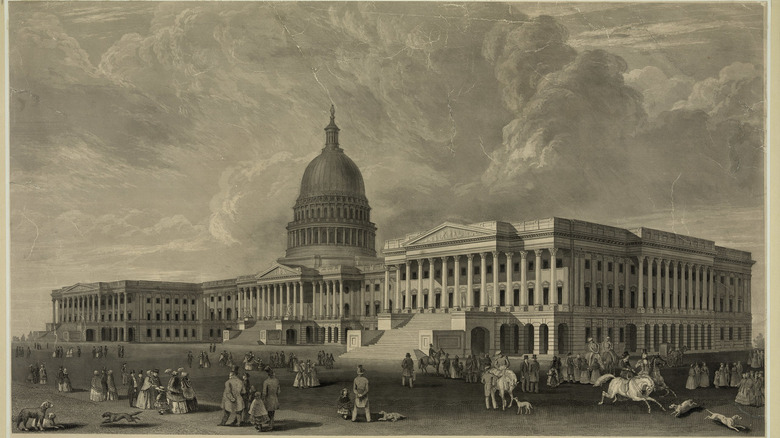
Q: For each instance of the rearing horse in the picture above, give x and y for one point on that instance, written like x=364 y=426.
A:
x=636 y=388
x=655 y=373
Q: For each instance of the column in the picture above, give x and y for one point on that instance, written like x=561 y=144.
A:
x=659 y=291
x=640 y=288
x=431 y=295
x=300 y=303
x=696 y=297
x=290 y=306
x=470 y=281
x=523 y=278
x=581 y=277
x=341 y=303
x=593 y=281
x=482 y=280
x=397 y=290
x=553 y=278
x=689 y=289
x=712 y=291
x=705 y=301
x=538 y=288
x=386 y=288
x=510 y=289
x=456 y=276
x=667 y=295
x=675 y=285
x=53 y=311
x=445 y=297
x=496 y=295
x=240 y=302
x=98 y=315
x=124 y=297
x=408 y=293
x=333 y=304
x=256 y=292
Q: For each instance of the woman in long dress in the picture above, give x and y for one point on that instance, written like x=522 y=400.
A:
x=270 y=395
x=298 y=370
x=60 y=374
x=66 y=386
x=314 y=378
x=595 y=368
x=704 y=376
x=175 y=395
x=42 y=375
x=111 y=386
x=758 y=389
x=725 y=375
x=584 y=371
x=258 y=414
x=454 y=366
x=188 y=392
x=145 y=397
x=736 y=377
x=96 y=388
x=206 y=361
x=743 y=396
x=691 y=383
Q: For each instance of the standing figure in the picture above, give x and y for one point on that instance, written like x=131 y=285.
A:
x=570 y=369
x=145 y=398
x=533 y=375
x=344 y=404
x=66 y=386
x=360 y=388
x=258 y=415
x=704 y=376
x=735 y=376
x=132 y=389
x=489 y=388
x=725 y=376
x=743 y=394
x=407 y=370
x=42 y=376
x=96 y=388
x=584 y=370
x=111 y=386
x=232 y=400
x=189 y=393
x=691 y=383
x=297 y=369
x=270 y=394
x=454 y=371
x=524 y=370
x=174 y=393
x=60 y=375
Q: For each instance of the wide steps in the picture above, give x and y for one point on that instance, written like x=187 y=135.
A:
x=397 y=342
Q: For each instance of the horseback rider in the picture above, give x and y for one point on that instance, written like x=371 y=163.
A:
x=643 y=365
x=501 y=362
x=431 y=351
x=626 y=371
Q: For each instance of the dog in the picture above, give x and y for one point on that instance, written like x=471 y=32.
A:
x=50 y=423
x=729 y=422
x=390 y=416
x=113 y=417
x=37 y=415
x=522 y=406
x=683 y=407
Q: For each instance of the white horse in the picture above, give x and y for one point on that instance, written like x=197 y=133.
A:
x=636 y=388
x=506 y=383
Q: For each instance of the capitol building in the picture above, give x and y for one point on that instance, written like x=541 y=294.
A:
x=536 y=286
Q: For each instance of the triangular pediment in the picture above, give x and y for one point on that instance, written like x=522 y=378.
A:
x=279 y=270
x=79 y=287
x=450 y=232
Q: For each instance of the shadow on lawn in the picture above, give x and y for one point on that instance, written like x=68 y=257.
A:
x=129 y=425
x=282 y=425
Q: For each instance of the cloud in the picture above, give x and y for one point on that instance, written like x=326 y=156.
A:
x=659 y=92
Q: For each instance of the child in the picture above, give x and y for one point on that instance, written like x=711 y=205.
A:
x=258 y=415
x=345 y=404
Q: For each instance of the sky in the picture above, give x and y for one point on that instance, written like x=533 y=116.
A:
x=167 y=141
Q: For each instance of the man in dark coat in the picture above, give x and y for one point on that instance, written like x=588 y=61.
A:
x=524 y=369
x=533 y=375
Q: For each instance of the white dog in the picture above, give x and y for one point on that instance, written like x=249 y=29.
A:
x=729 y=422
x=522 y=406
x=390 y=416
x=683 y=407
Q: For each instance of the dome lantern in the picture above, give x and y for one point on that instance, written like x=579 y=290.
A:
x=332 y=131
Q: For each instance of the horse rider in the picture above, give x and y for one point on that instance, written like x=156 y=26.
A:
x=501 y=362
x=643 y=365
x=626 y=371
x=431 y=351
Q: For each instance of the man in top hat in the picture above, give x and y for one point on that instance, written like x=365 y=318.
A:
x=524 y=369
x=232 y=400
x=360 y=388
x=407 y=366
x=533 y=375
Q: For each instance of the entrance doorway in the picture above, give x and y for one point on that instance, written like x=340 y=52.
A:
x=479 y=340
x=291 y=337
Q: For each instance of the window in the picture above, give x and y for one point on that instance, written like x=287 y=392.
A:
x=229 y=297
x=167 y=316
x=450 y=272
x=158 y=316
x=148 y=300
x=609 y=266
x=148 y=333
x=739 y=333
x=211 y=332
x=502 y=268
x=621 y=301
x=721 y=334
x=184 y=315
x=620 y=269
x=157 y=332
x=587 y=333
x=622 y=333
x=462 y=272
x=219 y=298
x=558 y=263
x=731 y=333
x=368 y=288
x=587 y=295
x=193 y=316
x=545 y=264
x=403 y=276
x=157 y=300
x=489 y=269
x=633 y=270
x=546 y=295
x=530 y=265
x=425 y=274
x=212 y=299
x=176 y=301
x=377 y=287
x=437 y=273
x=167 y=333
x=167 y=301
x=476 y=270
x=193 y=302
x=176 y=316
x=516 y=267
x=148 y=316
x=598 y=265
x=129 y=316
x=598 y=296
x=176 y=331
x=587 y=264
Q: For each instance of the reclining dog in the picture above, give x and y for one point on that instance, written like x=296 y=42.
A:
x=37 y=415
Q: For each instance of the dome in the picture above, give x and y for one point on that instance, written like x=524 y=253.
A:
x=332 y=173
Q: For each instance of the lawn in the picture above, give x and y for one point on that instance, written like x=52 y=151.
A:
x=435 y=406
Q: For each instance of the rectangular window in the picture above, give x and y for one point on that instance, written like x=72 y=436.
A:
x=403 y=276
x=167 y=316
x=121 y=316
x=622 y=335
x=633 y=270
x=212 y=299
x=609 y=266
x=489 y=269
x=157 y=300
x=425 y=274
x=176 y=301
x=377 y=287
x=148 y=333
x=450 y=272
x=183 y=315
x=158 y=316
x=530 y=265
x=558 y=263
x=587 y=264
x=463 y=272
x=414 y=275
x=149 y=316
x=167 y=301
x=129 y=316
x=598 y=335
x=587 y=333
x=516 y=267
x=545 y=264
x=739 y=333
x=721 y=334
x=502 y=268
x=598 y=265
x=546 y=295
x=620 y=269
x=368 y=288
x=148 y=300
x=621 y=300
x=176 y=316
x=587 y=295
x=598 y=296
x=731 y=333
x=157 y=332
x=168 y=333
x=211 y=332
x=176 y=331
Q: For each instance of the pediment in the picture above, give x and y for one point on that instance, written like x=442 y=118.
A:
x=450 y=232
x=279 y=270
x=79 y=288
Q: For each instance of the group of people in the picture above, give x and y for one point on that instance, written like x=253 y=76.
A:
x=103 y=386
x=60 y=352
x=699 y=376
x=63 y=380
x=99 y=352
x=243 y=404
x=36 y=374
x=756 y=358
x=147 y=391
x=347 y=408
x=751 y=389
x=306 y=375
x=203 y=360
x=325 y=359
x=19 y=351
x=726 y=377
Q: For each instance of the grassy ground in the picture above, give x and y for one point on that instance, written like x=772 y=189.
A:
x=436 y=406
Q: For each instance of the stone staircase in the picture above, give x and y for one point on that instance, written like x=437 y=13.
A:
x=251 y=335
x=394 y=344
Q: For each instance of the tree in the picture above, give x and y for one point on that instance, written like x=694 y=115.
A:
x=758 y=342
